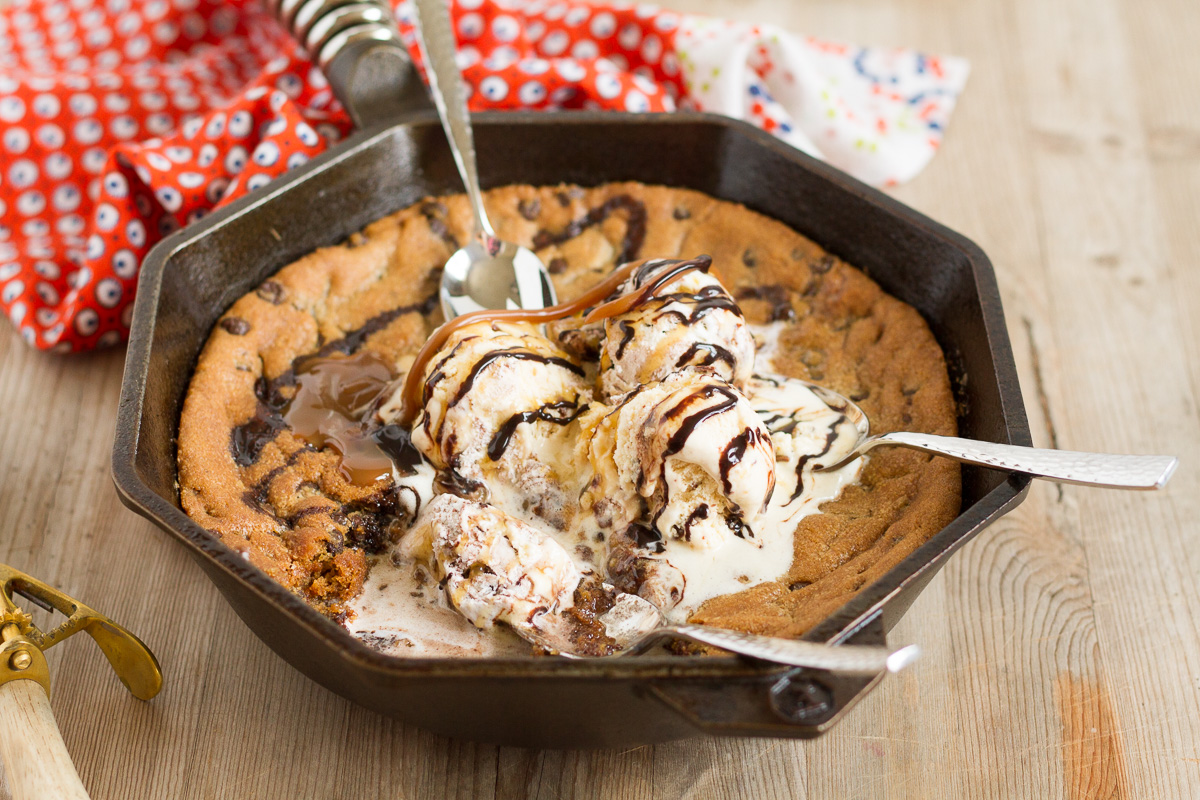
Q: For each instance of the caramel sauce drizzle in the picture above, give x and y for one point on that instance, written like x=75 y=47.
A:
x=593 y=299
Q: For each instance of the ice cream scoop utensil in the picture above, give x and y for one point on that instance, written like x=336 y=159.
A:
x=636 y=625
x=487 y=273
x=36 y=762
x=1062 y=466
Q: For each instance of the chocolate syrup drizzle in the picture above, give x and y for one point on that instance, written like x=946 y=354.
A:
x=627 y=332
x=710 y=298
x=709 y=354
x=688 y=426
x=678 y=439
x=594 y=303
x=517 y=354
x=562 y=413
x=699 y=513
x=635 y=227
x=773 y=423
x=830 y=438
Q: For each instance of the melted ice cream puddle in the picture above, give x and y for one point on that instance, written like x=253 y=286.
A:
x=402 y=612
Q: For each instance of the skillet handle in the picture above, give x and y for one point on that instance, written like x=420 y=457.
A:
x=356 y=44
x=36 y=762
x=798 y=703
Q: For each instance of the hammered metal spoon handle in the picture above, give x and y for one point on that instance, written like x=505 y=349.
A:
x=436 y=33
x=1064 y=466
x=846 y=659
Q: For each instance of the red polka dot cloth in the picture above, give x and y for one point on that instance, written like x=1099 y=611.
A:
x=123 y=120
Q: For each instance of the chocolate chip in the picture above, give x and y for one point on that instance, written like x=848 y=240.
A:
x=432 y=208
x=798 y=585
x=235 y=325
x=681 y=213
x=529 y=209
x=783 y=312
x=749 y=259
x=860 y=395
x=438 y=228
x=823 y=264
x=562 y=199
x=557 y=266
x=356 y=240
x=272 y=291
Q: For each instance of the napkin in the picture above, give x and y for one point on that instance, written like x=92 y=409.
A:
x=123 y=120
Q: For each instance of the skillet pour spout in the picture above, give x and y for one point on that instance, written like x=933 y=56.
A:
x=401 y=156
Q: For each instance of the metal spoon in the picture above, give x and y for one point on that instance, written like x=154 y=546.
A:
x=487 y=273
x=636 y=624
x=1061 y=466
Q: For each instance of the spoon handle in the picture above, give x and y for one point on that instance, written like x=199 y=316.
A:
x=1063 y=466
x=436 y=34
x=848 y=659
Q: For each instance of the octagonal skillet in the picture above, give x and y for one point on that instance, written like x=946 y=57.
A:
x=400 y=156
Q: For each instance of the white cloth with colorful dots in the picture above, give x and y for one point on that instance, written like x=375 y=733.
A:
x=122 y=120
x=876 y=113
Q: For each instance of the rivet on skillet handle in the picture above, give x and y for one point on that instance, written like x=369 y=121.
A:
x=356 y=44
x=801 y=703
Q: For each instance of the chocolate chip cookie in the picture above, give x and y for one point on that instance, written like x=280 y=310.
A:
x=292 y=509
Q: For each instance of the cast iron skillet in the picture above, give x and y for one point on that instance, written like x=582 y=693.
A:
x=189 y=279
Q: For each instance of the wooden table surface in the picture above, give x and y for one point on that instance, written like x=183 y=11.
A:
x=1062 y=653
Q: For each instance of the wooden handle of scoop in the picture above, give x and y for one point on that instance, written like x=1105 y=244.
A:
x=35 y=758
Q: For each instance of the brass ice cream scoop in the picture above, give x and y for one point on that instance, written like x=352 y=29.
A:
x=36 y=761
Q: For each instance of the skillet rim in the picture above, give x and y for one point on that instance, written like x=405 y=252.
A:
x=865 y=607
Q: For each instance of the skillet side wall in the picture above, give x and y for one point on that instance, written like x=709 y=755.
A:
x=190 y=279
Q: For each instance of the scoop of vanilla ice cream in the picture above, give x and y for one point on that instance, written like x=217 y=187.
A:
x=690 y=452
x=494 y=567
x=499 y=400
x=694 y=322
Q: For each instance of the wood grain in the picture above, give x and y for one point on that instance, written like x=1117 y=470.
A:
x=36 y=762
x=1092 y=747
x=1074 y=161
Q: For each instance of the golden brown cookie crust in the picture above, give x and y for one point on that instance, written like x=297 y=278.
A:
x=288 y=509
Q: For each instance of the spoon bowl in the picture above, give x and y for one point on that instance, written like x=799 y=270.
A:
x=491 y=274
x=635 y=625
